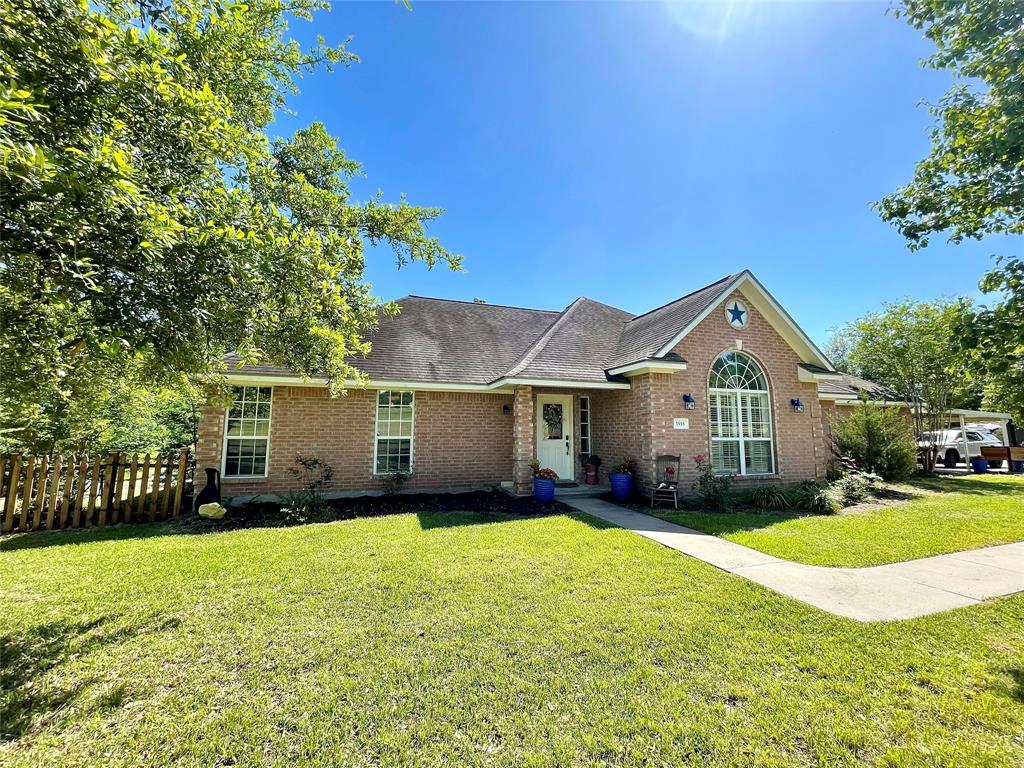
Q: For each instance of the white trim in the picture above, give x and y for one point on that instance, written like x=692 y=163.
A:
x=847 y=400
x=377 y=438
x=566 y=401
x=590 y=425
x=647 y=366
x=808 y=376
x=502 y=385
x=571 y=384
x=224 y=445
x=740 y=439
x=785 y=325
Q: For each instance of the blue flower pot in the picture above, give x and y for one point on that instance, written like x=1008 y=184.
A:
x=622 y=485
x=979 y=466
x=543 y=490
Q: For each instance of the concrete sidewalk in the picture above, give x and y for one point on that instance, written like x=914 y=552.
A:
x=879 y=593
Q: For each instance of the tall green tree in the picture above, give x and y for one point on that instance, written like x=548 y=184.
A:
x=909 y=347
x=972 y=182
x=150 y=224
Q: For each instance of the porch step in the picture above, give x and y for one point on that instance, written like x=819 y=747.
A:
x=582 y=491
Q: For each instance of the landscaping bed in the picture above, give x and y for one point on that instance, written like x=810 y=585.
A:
x=270 y=514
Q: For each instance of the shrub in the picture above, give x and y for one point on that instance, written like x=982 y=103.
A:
x=816 y=497
x=307 y=502
x=852 y=488
x=627 y=467
x=713 y=489
x=878 y=439
x=391 y=484
x=769 y=497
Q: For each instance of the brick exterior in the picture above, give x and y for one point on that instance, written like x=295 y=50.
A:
x=799 y=438
x=463 y=439
x=459 y=439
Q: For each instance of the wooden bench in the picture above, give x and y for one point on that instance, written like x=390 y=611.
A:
x=1009 y=455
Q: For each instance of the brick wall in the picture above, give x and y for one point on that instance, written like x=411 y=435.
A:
x=800 y=447
x=459 y=439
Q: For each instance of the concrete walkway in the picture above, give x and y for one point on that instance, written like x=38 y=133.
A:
x=879 y=593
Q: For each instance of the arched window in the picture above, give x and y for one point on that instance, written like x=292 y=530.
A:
x=741 y=416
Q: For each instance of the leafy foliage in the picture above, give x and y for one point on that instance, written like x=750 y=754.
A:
x=769 y=497
x=816 y=497
x=970 y=185
x=149 y=223
x=878 y=439
x=713 y=489
x=307 y=502
x=911 y=348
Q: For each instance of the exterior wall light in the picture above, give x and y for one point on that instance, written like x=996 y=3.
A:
x=688 y=402
x=506 y=409
x=798 y=407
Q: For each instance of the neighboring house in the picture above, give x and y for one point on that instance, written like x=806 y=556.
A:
x=464 y=394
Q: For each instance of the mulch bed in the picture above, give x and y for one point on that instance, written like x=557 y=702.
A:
x=266 y=514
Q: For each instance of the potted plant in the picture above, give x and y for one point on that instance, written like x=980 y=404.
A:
x=979 y=465
x=543 y=481
x=591 y=462
x=621 y=478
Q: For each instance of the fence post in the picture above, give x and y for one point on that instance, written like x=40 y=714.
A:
x=115 y=489
x=130 y=496
x=154 y=502
x=182 y=466
x=83 y=470
x=44 y=479
x=65 y=500
x=103 y=493
x=26 y=495
x=58 y=465
x=12 y=492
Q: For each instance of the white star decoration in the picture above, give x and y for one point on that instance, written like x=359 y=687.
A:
x=737 y=315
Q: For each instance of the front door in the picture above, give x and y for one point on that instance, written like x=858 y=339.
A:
x=554 y=434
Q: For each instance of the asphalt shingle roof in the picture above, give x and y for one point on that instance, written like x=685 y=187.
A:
x=645 y=334
x=446 y=341
x=854 y=385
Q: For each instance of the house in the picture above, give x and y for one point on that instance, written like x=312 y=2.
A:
x=465 y=394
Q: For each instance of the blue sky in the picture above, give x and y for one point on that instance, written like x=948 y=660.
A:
x=631 y=152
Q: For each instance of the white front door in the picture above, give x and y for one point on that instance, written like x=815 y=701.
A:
x=554 y=434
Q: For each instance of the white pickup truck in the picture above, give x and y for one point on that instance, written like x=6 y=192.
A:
x=950 y=444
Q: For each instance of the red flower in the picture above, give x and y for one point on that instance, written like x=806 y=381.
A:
x=699 y=458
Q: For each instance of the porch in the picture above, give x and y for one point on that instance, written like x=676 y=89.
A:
x=556 y=425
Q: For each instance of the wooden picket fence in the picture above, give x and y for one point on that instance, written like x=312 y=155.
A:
x=77 y=491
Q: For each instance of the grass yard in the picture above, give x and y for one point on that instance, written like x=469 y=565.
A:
x=458 y=639
x=943 y=514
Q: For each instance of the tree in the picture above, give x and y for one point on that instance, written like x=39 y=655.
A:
x=971 y=184
x=149 y=224
x=878 y=439
x=909 y=348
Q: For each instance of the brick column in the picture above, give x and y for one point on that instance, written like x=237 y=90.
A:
x=523 y=432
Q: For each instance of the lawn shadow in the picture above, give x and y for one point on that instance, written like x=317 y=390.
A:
x=435 y=510
x=28 y=656
x=456 y=519
x=969 y=484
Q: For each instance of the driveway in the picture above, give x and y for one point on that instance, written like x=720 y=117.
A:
x=879 y=593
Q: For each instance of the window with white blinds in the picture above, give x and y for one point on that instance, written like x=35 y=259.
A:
x=741 y=416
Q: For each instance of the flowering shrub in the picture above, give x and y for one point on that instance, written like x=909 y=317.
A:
x=712 y=488
x=545 y=473
x=627 y=467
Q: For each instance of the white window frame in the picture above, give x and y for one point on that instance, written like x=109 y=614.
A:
x=741 y=439
x=377 y=437
x=585 y=420
x=266 y=438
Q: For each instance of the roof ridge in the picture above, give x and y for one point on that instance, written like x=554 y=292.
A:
x=535 y=349
x=481 y=304
x=686 y=296
x=610 y=306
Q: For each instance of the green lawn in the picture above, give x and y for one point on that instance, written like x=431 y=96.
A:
x=470 y=640
x=944 y=514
